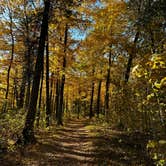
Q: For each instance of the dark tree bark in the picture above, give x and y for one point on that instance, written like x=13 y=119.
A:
x=98 y=98
x=91 y=101
x=51 y=96
x=61 y=100
x=107 y=87
x=131 y=56
x=40 y=100
x=24 y=100
x=78 y=103
x=92 y=96
x=11 y=59
x=22 y=91
x=57 y=98
x=29 y=70
x=67 y=103
x=28 y=131
x=16 y=95
x=48 y=110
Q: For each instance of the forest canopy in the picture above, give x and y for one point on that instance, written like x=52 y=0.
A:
x=101 y=59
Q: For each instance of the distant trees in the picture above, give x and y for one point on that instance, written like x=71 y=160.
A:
x=114 y=71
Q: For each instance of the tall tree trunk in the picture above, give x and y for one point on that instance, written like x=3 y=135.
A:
x=48 y=111
x=91 y=101
x=28 y=59
x=92 y=96
x=98 y=98
x=16 y=95
x=40 y=101
x=61 y=100
x=67 y=102
x=28 y=131
x=28 y=92
x=22 y=91
x=131 y=56
x=107 y=87
x=78 y=103
x=26 y=71
x=57 y=97
x=51 y=96
x=11 y=60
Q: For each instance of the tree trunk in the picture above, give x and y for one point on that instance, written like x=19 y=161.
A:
x=28 y=93
x=16 y=95
x=40 y=101
x=51 y=96
x=92 y=96
x=131 y=56
x=91 y=101
x=78 y=103
x=57 y=98
x=60 y=111
x=27 y=67
x=48 y=111
x=98 y=98
x=11 y=61
x=107 y=87
x=28 y=131
x=22 y=91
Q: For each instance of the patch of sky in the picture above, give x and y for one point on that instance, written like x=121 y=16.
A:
x=78 y=34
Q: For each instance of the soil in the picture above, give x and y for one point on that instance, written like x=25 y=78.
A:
x=80 y=143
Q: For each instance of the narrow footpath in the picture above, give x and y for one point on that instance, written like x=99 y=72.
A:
x=79 y=143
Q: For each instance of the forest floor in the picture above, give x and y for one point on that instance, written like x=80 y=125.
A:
x=80 y=143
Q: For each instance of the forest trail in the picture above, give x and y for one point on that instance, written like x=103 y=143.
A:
x=78 y=143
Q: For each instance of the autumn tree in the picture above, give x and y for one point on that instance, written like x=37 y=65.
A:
x=28 y=131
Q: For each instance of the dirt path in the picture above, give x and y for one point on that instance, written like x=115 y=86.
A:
x=79 y=144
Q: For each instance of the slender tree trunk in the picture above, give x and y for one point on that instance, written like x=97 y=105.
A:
x=22 y=91
x=61 y=100
x=28 y=92
x=26 y=71
x=40 y=101
x=51 y=97
x=98 y=98
x=67 y=103
x=57 y=98
x=131 y=56
x=11 y=61
x=107 y=87
x=28 y=60
x=91 y=101
x=28 y=131
x=92 y=96
x=61 y=95
x=78 y=103
x=16 y=96
x=48 y=111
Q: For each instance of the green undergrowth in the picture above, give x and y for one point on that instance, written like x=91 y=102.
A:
x=11 y=125
x=154 y=145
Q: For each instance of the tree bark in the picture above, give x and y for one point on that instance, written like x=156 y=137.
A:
x=57 y=97
x=98 y=98
x=107 y=87
x=22 y=91
x=40 y=101
x=48 y=111
x=131 y=56
x=61 y=100
x=28 y=131
x=11 y=60
x=92 y=96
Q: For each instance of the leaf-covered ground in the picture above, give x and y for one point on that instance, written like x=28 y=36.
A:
x=81 y=143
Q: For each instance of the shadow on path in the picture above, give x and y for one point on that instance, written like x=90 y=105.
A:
x=76 y=145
